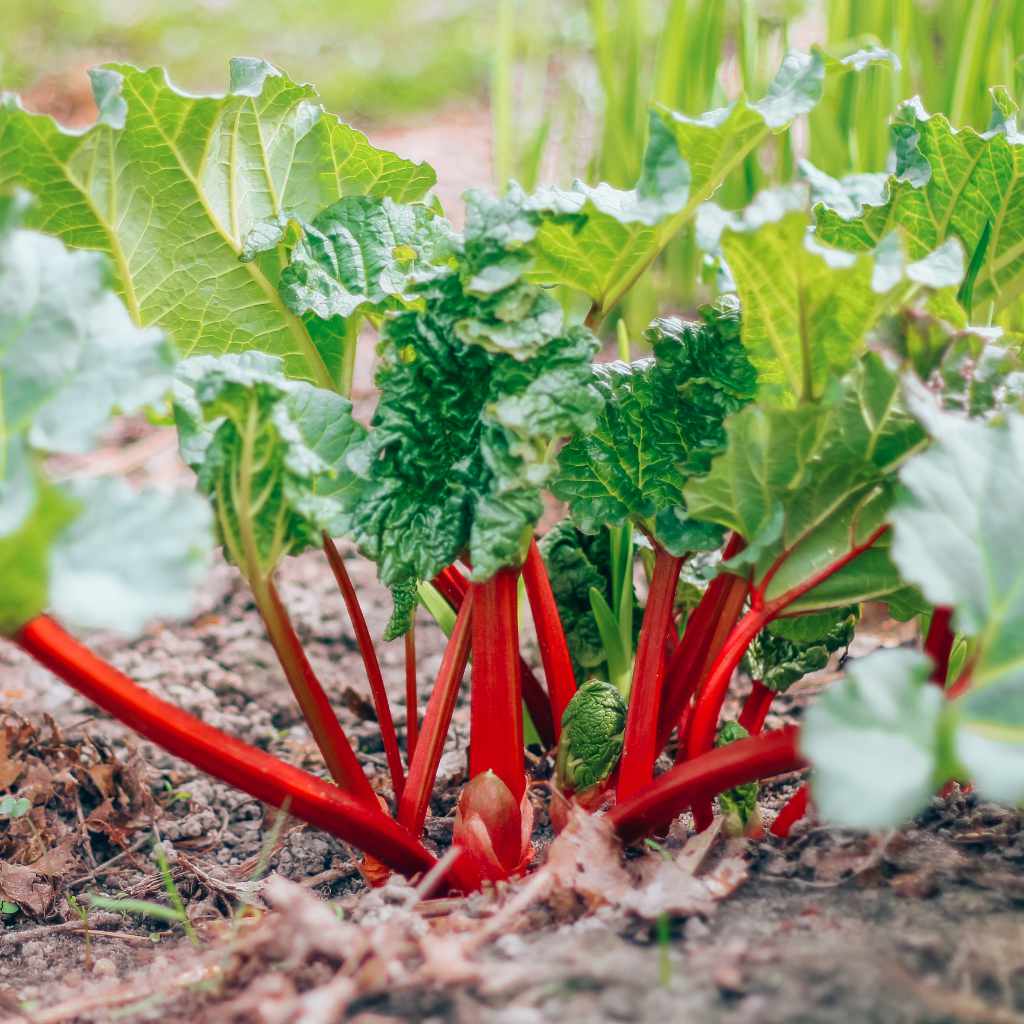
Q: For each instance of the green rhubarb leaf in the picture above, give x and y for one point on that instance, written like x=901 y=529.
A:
x=600 y=240
x=94 y=551
x=169 y=186
x=269 y=452
x=69 y=353
x=955 y=536
x=593 y=727
x=25 y=555
x=662 y=423
x=128 y=557
x=478 y=380
x=356 y=255
x=807 y=309
x=805 y=486
x=788 y=649
x=948 y=182
x=874 y=740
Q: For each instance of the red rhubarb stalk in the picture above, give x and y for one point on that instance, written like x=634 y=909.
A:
x=716 y=684
x=452 y=586
x=639 y=748
x=554 y=651
x=756 y=707
x=379 y=692
x=251 y=770
x=412 y=710
x=795 y=809
x=496 y=702
x=749 y=760
x=938 y=645
x=412 y=808
x=722 y=602
x=316 y=708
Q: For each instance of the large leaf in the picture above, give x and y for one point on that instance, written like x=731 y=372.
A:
x=948 y=182
x=170 y=185
x=807 y=485
x=957 y=537
x=807 y=309
x=268 y=451
x=599 y=240
x=478 y=380
x=93 y=551
x=874 y=742
x=662 y=422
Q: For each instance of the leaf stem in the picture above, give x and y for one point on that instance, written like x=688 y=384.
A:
x=316 y=708
x=655 y=805
x=640 y=742
x=554 y=651
x=412 y=710
x=496 y=714
x=453 y=586
x=251 y=770
x=756 y=707
x=412 y=808
x=380 y=694
x=938 y=644
x=792 y=812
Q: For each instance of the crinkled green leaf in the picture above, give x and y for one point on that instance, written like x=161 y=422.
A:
x=355 y=255
x=948 y=182
x=812 y=482
x=473 y=397
x=268 y=451
x=662 y=423
x=593 y=727
x=170 y=185
x=405 y=598
x=807 y=309
x=788 y=649
x=957 y=537
x=69 y=353
x=874 y=740
x=128 y=557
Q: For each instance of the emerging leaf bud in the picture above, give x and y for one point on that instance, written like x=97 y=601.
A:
x=493 y=828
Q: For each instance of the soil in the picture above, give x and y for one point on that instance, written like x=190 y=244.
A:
x=922 y=924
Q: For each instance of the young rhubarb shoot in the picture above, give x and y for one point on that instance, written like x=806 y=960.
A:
x=591 y=743
x=493 y=827
x=738 y=805
x=794 y=810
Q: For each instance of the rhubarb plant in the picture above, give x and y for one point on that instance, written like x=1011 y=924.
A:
x=834 y=428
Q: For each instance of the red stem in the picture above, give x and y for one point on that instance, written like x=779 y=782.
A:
x=795 y=809
x=749 y=760
x=380 y=694
x=412 y=710
x=756 y=707
x=554 y=651
x=639 y=748
x=412 y=808
x=939 y=644
x=452 y=586
x=725 y=593
x=496 y=700
x=323 y=723
x=253 y=771
x=716 y=684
